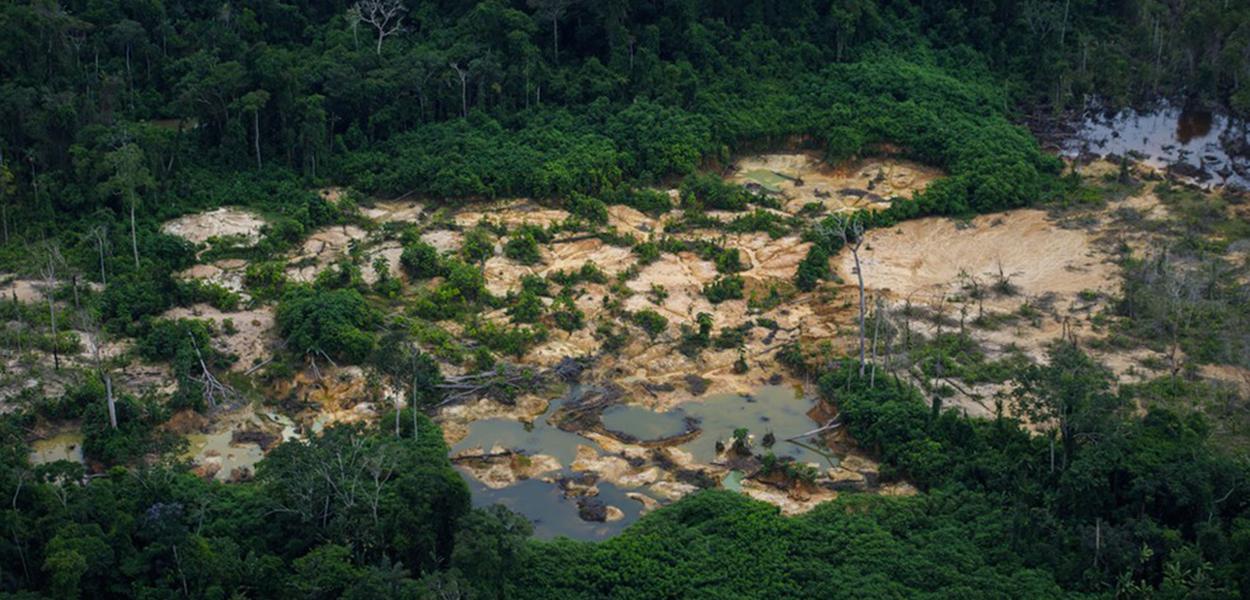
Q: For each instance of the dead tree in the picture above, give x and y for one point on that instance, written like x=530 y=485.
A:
x=49 y=276
x=851 y=231
x=552 y=10
x=93 y=329
x=463 y=76
x=504 y=382
x=214 y=389
x=385 y=16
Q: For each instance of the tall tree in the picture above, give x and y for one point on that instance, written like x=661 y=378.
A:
x=8 y=189
x=252 y=102
x=385 y=16
x=1071 y=394
x=130 y=178
x=552 y=11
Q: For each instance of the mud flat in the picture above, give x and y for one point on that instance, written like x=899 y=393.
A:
x=933 y=257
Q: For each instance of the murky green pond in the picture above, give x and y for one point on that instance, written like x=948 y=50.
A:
x=65 y=446
x=777 y=409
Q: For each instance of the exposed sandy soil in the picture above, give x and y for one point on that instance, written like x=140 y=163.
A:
x=511 y=212
x=227 y=273
x=27 y=291
x=387 y=211
x=445 y=240
x=389 y=251
x=868 y=183
x=924 y=258
x=630 y=220
x=504 y=274
x=322 y=249
x=254 y=338
x=199 y=228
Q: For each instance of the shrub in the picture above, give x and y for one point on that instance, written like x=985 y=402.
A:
x=653 y=323
x=336 y=322
x=724 y=288
x=527 y=308
x=420 y=260
x=478 y=246
x=523 y=248
x=591 y=210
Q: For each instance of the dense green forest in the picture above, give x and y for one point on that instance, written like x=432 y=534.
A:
x=116 y=116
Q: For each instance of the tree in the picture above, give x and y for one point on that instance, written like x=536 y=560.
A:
x=49 y=275
x=1071 y=393
x=553 y=11
x=91 y=325
x=100 y=237
x=8 y=190
x=130 y=177
x=385 y=16
x=252 y=102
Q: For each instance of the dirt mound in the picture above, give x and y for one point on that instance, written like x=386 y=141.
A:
x=199 y=228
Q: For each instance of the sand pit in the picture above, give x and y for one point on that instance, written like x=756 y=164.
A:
x=199 y=228
x=803 y=178
x=925 y=257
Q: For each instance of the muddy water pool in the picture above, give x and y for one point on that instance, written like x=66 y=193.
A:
x=780 y=410
x=776 y=409
x=552 y=514
x=1166 y=135
x=65 y=446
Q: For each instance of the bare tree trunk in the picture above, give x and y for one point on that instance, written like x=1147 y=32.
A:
x=859 y=274
x=108 y=390
x=256 y=135
x=876 y=331
x=51 y=277
x=134 y=238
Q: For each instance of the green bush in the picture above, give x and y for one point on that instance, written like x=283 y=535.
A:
x=338 y=323
x=650 y=321
x=729 y=287
x=523 y=248
x=421 y=260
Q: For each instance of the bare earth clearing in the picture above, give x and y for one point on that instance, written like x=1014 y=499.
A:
x=1014 y=282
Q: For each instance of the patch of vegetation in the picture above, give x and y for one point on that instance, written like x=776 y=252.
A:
x=729 y=287
x=337 y=323
x=650 y=321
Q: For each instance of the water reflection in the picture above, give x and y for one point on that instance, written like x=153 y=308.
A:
x=1167 y=135
x=552 y=514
